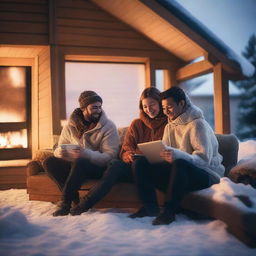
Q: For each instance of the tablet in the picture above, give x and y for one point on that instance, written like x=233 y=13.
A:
x=151 y=150
x=69 y=147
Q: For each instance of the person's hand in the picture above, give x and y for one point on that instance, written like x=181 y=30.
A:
x=167 y=155
x=63 y=153
x=74 y=153
x=130 y=157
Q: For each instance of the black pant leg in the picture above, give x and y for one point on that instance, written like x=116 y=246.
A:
x=57 y=169
x=81 y=170
x=184 y=177
x=142 y=175
x=116 y=171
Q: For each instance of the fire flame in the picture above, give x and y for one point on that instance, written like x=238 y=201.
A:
x=17 y=139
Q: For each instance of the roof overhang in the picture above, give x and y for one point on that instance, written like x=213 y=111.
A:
x=165 y=24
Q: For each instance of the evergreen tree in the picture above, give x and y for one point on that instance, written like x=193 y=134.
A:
x=247 y=108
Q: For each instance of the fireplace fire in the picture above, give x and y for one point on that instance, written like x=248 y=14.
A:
x=16 y=139
x=15 y=120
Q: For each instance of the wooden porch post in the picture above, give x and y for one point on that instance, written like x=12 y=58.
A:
x=221 y=100
x=169 y=79
x=150 y=74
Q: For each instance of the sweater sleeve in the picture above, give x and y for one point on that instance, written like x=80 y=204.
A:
x=130 y=142
x=200 y=137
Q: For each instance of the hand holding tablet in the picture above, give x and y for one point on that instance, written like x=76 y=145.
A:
x=151 y=150
x=69 y=150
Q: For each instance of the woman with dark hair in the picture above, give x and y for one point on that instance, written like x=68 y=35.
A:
x=148 y=127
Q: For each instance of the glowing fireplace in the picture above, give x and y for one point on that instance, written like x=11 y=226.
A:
x=15 y=112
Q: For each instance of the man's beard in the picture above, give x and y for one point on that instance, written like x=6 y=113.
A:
x=94 y=118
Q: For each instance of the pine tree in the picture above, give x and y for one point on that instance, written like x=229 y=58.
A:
x=247 y=108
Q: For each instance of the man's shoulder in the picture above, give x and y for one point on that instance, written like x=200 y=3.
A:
x=108 y=125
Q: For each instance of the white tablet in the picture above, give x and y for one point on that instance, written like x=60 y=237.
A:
x=69 y=146
x=151 y=150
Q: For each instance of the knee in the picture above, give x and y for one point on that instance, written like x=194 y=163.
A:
x=115 y=168
x=48 y=162
x=181 y=163
x=139 y=166
x=141 y=161
x=81 y=162
x=115 y=163
x=181 y=167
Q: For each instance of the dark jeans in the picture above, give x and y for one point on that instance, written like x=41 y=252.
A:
x=117 y=171
x=70 y=176
x=175 y=180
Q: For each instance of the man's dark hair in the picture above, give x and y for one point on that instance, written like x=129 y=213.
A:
x=176 y=93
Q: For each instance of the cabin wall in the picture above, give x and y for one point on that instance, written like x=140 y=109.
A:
x=74 y=28
x=45 y=131
x=24 y=22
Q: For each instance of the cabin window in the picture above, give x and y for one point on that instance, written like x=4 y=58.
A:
x=119 y=84
x=159 y=74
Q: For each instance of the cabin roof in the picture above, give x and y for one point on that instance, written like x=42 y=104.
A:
x=172 y=27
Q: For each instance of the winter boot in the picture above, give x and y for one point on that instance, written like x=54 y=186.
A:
x=142 y=212
x=63 y=209
x=80 y=208
x=164 y=218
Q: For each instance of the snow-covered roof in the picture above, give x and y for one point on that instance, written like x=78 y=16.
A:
x=185 y=16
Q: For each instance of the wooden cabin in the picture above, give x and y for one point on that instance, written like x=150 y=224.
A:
x=44 y=34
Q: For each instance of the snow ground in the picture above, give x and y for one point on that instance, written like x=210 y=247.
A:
x=28 y=228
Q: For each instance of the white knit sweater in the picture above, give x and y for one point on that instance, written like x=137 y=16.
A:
x=100 y=144
x=194 y=140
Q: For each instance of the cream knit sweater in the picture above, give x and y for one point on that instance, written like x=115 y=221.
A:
x=99 y=145
x=194 y=140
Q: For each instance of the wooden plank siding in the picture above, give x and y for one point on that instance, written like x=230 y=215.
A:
x=24 y=22
x=84 y=24
x=44 y=100
x=12 y=177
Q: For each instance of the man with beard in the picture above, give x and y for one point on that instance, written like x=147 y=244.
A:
x=87 y=144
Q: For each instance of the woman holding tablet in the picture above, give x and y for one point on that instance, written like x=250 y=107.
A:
x=148 y=127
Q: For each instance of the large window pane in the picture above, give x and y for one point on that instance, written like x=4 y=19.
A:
x=120 y=86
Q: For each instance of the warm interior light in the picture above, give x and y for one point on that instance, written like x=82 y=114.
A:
x=17 y=77
x=16 y=139
x=11 y=116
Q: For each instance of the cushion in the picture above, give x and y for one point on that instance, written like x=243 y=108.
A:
x=121 y=132
x=245 y=171
x=228 y=148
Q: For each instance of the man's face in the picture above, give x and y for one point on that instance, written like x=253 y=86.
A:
x=93 y=111
x=171 y=109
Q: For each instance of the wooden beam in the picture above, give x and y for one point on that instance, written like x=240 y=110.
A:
x=169 y=79
x=16 y=61
x=194 y=70
x=221 y=100
x=150 y=74
x=96 y=58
